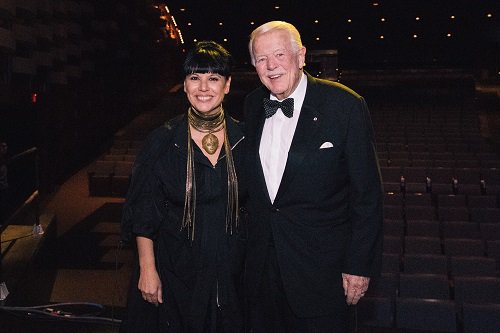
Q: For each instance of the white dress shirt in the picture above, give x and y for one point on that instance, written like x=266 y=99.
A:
x=276 y=140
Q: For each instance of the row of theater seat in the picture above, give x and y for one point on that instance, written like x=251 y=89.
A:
x=441 y=260
x=412 y=314
x=441 y=180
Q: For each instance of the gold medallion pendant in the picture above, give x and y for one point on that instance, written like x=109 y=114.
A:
x=210 y=143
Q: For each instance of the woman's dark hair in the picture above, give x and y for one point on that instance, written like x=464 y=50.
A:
x=208 y=57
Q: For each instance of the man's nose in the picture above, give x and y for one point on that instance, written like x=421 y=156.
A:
x=271 y=63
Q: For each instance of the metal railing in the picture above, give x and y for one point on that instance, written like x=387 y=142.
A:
x=22 y=204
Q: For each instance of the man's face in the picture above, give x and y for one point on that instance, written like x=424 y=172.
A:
x=277 y=64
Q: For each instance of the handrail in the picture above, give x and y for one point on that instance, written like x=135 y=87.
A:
x=30 y=198
x=22 y=154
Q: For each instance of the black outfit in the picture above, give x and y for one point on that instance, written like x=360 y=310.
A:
x=327 y=216
x=200 y=277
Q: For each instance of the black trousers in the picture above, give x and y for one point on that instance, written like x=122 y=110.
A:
x=270 y=312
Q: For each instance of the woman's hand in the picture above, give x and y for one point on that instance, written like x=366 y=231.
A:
x=150 y=286
x=149 y=280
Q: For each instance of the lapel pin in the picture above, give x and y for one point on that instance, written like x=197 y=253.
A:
x=315 y=118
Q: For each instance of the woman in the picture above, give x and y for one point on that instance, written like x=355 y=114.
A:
x=182 y=209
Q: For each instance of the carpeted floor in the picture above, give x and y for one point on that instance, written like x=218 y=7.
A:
x=82 y=264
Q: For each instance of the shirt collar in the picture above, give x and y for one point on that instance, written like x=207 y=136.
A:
x=298 y=94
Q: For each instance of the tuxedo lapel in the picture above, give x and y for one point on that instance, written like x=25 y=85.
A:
x=301 y=144
x=258 y=165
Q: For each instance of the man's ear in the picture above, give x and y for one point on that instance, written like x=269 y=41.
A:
x=302 y=57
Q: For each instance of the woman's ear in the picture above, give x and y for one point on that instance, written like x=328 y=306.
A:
x=228 y=86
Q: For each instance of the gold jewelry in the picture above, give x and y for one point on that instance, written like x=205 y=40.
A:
x=210 y=143
x=232 y=208
x=207 y=124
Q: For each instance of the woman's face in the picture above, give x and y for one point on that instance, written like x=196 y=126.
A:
x=206 y=91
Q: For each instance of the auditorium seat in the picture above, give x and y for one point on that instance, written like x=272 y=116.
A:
x=422 y=245
x=394 y=227
x=464 y=247
x=482 y=201
x=490 y=231
x=375 y=311
x=460 y=229
x=420 y=285
x=467 y=163
x=415 y=178
x=481 y=318
x=491 y=177
x=384 y=285
x=418 y=199
x=468 y=180
x=393 y=199
x=493 y=250
x=393 y=212
x=418 y=146
x=399 y=155
x=451 y=200
x=420 y=213
x=485 y=215
x=393 y=244
x=391 y=178
x=442 y=180
x=421 y=155
x=472 y=266
x=424 y=228
x=425 y=263
x=391 y=262
x=477 y=289
x=426 y=314
x=453 y=214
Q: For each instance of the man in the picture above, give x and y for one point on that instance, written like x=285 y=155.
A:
x=315 y=206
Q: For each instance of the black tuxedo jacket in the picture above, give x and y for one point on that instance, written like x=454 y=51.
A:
x=327 y=215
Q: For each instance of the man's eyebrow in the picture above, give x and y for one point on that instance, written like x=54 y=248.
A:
x=273 y=52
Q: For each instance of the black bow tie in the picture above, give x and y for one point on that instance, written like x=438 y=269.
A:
x=271 y=106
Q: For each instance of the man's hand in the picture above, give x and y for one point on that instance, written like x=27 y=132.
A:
x=354 y=287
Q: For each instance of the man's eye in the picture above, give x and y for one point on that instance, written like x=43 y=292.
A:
x=260 y=60
x=193 y=78
x=214 y=78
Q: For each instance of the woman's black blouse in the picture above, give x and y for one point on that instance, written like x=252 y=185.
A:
x=200 y=275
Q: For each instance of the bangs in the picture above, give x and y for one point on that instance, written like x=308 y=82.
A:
x=208 y=60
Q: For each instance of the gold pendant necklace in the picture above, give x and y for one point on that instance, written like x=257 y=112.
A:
x=207 y=124
x=210 y=143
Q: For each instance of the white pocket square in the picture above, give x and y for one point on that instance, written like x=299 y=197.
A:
x=326 y=145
